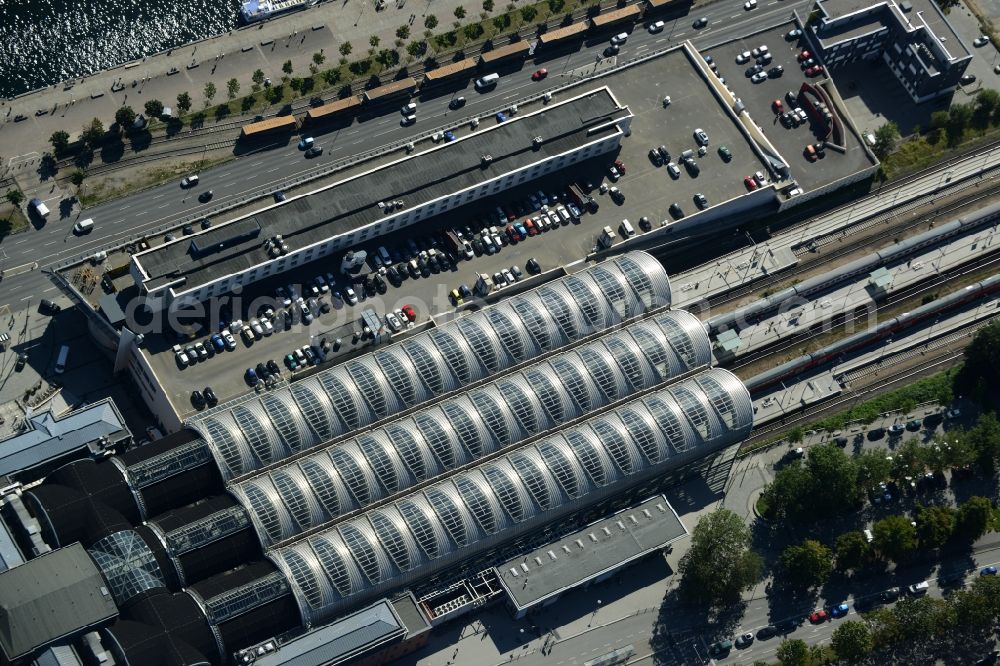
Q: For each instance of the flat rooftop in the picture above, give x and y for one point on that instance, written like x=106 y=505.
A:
x=598 y=548
x=353 y=203
x=759 y=97
x=49 y=598
x=919 y=13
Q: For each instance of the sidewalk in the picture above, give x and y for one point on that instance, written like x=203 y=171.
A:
x=266 y=46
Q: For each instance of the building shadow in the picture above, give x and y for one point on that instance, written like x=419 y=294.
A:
x=872 y=84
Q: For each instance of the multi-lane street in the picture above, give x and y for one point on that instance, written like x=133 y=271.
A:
x=140 y=213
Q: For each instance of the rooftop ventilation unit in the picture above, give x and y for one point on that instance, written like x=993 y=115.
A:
x=486 y=160
x=536 y=143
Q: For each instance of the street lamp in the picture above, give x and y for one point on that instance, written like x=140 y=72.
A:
x=592 y=614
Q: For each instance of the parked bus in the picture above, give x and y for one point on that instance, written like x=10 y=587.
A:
x=333 y=110
x=515 y=50
x=270 y=126
x=466 y=67
x=402 y=87
x=561 y=35
x=629 y=14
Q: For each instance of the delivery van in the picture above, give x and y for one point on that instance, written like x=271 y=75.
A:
x=84 y=226
x=40 y=208
x=486 y=82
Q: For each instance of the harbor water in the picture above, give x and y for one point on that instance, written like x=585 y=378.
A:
x=47 y=41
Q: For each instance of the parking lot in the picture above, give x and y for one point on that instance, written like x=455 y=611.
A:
x=759 y=100
x=649 y=190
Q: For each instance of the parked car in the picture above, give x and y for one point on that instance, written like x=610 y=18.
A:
x=840 y=610
x=818 y=616
x=251 y=377
x=210 y=396
x=197 y=399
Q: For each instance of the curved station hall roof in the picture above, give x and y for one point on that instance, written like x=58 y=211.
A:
x=263 y=429
x=473 y=509
x=311 y=490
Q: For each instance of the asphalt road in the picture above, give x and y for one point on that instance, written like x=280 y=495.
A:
x=116 y=221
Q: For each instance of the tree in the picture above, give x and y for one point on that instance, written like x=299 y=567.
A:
x=986 y=102
x=77 y=177
x=125 y=116
x=872 y=469
x=793 y=652
x=853 y=550
x=257 y=78
x=286 y=67
x=403 y=32
x=415 y=48
x=959 y=117
x=209 y=93
x=92 y=133
x=319 y=57
x=834 y=477
x=852 y=641
x=973 y=519
x=885 y=139
x=784 y=494
x=528 y=13
x=808 y=564
x=935 y=525
x=983 y=440
x=473 y=31
x=15 y=197
x=430 y=22
x=719 y=564
x=501 y=22
x=59 y=141
x=460 y=12
x=184 y=102
x=919 y=618
x=154 y=108
x=895 y=537
x=487 y=5
x=232 y=88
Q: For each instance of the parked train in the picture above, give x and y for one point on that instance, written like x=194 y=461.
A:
x=884 y=330
x=855 y=269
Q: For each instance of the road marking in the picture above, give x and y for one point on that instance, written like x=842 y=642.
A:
x=123 y=208
x=644 y=46
x=159 y=196
x=258 y=162
x=49 y=289
x=735 y=16
x=662 y=39
x=26 y=298
x=273 y=170
x=163 y=206
x=49 y=243
x=225 y=174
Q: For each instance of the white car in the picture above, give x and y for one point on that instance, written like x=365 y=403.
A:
x=182 y=358
x=981 y=40
x=743 y=57
x=759 y=51
x=282 y=295
x=409 y=109
x=257 y=328
x=230 y=341
x=673 y=170
x=620 y=38
x=352 y=298
x=758 y=77
x=267 y=326
x=656 y=27
x=192 y=180
x=750 y=4
x=393 y=322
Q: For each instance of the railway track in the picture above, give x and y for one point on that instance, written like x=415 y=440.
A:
x=833 y=256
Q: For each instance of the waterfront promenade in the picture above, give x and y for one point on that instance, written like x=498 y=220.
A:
x=297 y=36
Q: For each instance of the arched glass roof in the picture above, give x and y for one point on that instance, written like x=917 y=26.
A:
x=487 y=419
x=432 y=528
x=259 y=430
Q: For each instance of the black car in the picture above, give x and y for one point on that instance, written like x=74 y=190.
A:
x=776 y=71
x=197 y=399
x=456 y=103
x=262 y=372
x=767 y=632
x=890 y=595
x=210 y=396
x=279 y=196
x=611 y=51
x=22 y=359
x=206 y=196
x=315 y=151
x=273 y=367
x=664 y=153
x=967 y=79
x=324 y=307
x=187 y=230
x=701 y=201
x=676 y=210
x=533 y=267
x=700 y=23
x=786 y=626
x=753 y=69
x=655 y=158
x=45 y=305
x=205 y=223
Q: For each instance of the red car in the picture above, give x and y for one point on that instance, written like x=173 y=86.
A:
x=530 y=226
x=512 y=233
x=805 y=55
x=818 y=616
x=815 y=70
x=810 y=153
x=750 y=183
x=620 y=166
x=778 y=106
x=410 y=313
x=540 y=74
